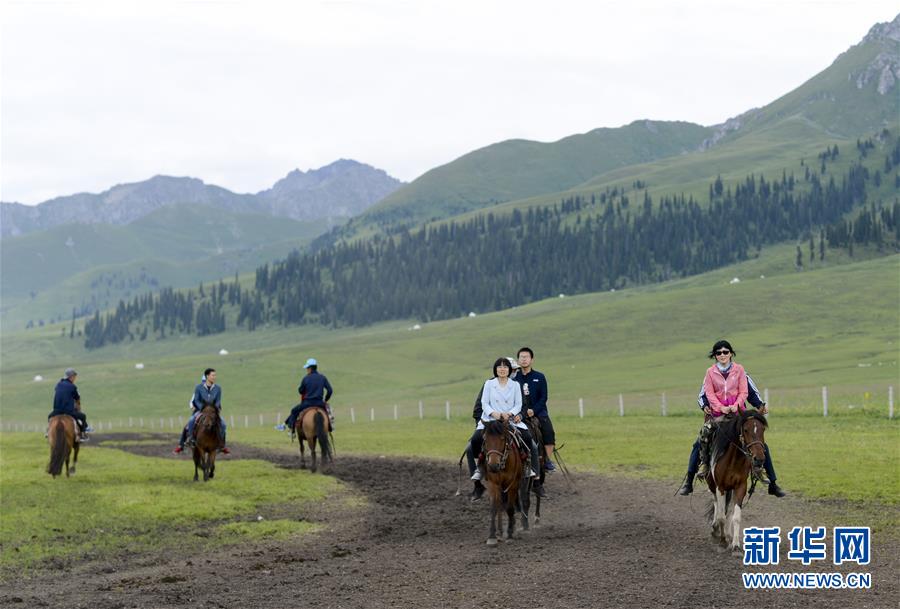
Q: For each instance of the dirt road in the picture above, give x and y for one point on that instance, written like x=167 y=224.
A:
x=609 y=542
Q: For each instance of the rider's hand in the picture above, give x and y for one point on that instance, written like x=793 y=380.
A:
x=707 y=410
x=505 y=416
x=529 y=412
x=764 y=409
x=496 y=415
x=517 y=419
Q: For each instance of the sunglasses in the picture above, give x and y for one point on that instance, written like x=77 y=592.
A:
x=723 y=352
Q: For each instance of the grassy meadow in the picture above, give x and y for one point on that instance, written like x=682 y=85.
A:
x=119 y=502
x=835 y=324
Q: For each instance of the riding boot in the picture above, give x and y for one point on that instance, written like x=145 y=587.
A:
x=477 y=491
x=688 y=487
x=703 y=439
x=535 y=460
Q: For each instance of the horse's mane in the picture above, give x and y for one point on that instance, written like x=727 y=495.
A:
x=494 y=428
x=730 y=430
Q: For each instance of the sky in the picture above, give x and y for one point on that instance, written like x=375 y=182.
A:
x=239 y=93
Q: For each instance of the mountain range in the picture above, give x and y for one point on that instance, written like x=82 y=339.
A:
x=853 y=99
x=331 y=193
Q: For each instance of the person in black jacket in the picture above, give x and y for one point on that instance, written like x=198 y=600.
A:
x=314 y=390
x=66 y=400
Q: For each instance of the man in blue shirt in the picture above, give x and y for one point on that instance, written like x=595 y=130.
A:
x=207 y=392
x=66 y=400
x=537 y=407
x=314 y=390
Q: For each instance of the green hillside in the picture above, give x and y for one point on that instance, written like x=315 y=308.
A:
x=519 y=168
x=47 y=274
x=834 y=325
x=844 y=102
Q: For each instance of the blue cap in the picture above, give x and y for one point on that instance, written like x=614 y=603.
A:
x=311 y=362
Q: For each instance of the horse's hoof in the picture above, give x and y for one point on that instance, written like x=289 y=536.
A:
x=491 y=542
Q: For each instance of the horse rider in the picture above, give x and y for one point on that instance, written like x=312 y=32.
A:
x=754 y=399
x=314 y=390
x=66 y=400
x=206 y=392
x=536 y=405
x=501 y=399
x=477 y=411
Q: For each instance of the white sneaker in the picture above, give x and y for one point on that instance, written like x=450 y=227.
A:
x=281 y=427
x=477 y=475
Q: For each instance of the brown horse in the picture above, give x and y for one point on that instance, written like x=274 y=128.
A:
x=525 y=494
x=312 y=426
x=738 y=446
x=61 y=433
x=503 y=477
x=207 y=442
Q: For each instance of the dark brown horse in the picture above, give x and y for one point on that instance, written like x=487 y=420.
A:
x=534 y=426
x=312 y=426
x=737 y=447
x=61 y=433
x=207 y=441
x=502 y=477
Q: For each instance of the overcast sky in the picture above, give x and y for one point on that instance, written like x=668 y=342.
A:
x=238 y=93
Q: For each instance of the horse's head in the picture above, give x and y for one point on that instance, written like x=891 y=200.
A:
x=209 y=415
x=753 y=427
x=496 y=445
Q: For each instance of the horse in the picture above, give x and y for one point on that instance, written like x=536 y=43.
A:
x=312 y=426
x=61 y=433
x=525 y=494
x=503 y=471
x=738 y=445
x=207 y=441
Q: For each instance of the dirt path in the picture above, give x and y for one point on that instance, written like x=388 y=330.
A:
x=614 y=542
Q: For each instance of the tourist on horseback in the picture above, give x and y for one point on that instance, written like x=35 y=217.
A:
x=66 y=400
x=314 y=390
x=207 y=392
x=501 y=400
x=754 y=398
x=536 y=405
x=725 y=386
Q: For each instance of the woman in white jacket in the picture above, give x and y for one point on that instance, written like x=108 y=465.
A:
x=501 y=400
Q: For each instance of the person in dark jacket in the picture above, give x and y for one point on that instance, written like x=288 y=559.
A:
x=207 y=392
x=314 y=390
x=536 y=384
x=66 y=400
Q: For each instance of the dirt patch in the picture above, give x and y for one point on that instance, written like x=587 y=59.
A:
x=608 y=542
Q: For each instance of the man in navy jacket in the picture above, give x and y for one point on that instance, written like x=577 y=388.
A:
x=66 y=400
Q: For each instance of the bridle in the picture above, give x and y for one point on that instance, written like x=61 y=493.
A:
x=744 y=447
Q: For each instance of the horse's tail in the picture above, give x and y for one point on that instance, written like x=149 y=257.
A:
x=59 y=448
x=322 y=436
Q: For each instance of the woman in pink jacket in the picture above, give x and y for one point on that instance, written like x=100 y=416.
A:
x=725 y=385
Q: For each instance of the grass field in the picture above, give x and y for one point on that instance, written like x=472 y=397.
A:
x=795 y=332
x=120 y=503
x=836 y=325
